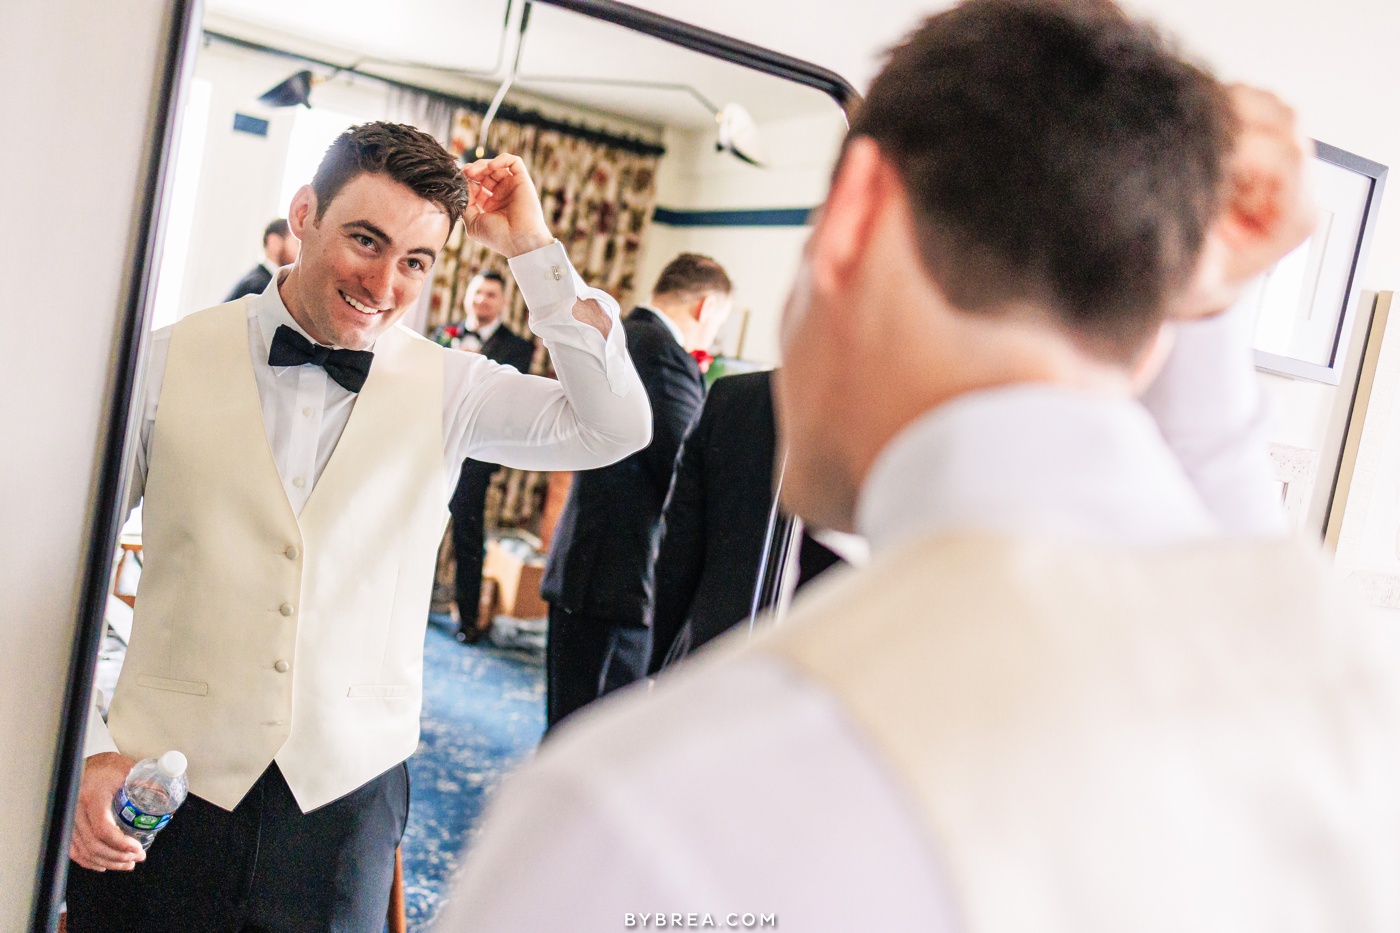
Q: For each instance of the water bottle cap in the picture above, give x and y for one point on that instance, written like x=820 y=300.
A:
x=172 y=764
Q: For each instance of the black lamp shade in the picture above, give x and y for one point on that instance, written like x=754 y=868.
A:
x=295 y=90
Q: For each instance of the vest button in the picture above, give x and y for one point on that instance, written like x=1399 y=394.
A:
x=291 y=552
x=282 y=667
x=298 y=482
x=285 y=609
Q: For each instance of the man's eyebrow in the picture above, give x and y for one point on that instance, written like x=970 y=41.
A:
x=387 y=240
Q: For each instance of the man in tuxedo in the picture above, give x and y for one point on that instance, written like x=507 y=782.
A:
x=297 y=452
x=1086 y=683
x=597 y=579
x=718 y=515
x=482 y=332
x=280 y=249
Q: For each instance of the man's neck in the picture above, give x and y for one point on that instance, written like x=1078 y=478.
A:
x=678 y=324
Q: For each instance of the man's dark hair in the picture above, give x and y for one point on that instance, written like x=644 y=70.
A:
x=692 y=275
x=491 y=275
x=277 y=228
x=1054 y=152
x=406 y=154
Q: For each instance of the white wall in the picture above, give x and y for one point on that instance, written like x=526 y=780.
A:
x=762 y=261
x=76 y=106
x=241 y=174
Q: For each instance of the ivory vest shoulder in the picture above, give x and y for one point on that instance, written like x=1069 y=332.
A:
x=1202 y=738
x=261 y=635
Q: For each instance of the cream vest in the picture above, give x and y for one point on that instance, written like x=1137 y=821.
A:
x=1193 y=740
x=260 y=635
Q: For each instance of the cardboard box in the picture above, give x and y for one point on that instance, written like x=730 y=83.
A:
x=518 y=581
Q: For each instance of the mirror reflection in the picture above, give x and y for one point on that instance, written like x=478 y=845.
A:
x=599 y=431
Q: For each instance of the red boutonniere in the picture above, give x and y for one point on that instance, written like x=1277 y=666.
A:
x=703 y=359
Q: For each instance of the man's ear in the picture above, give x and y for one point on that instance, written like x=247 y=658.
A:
x=302 y=212
x=707 y=308
x=847 y=219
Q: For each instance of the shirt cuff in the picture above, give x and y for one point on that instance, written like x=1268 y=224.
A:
x=550 y=286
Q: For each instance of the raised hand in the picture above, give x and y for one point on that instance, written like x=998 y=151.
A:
x=1269 y=205
x=504 y=210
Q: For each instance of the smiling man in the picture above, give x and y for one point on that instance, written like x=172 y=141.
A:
x=298 y=449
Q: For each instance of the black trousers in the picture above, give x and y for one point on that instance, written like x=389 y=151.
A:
x=587 y=657
x=265 y=867
x=468 y=508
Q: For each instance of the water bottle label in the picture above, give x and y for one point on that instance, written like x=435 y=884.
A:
x=134 y=817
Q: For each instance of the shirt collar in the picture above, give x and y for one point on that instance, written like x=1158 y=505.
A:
x=1038 y=460
x=487 y=331
x=271 y=267
x=670 y=324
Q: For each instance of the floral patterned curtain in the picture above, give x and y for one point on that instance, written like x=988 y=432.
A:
x=598 y=199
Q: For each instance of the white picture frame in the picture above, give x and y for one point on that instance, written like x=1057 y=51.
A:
x=1306 y=305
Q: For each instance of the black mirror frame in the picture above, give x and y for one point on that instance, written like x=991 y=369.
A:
x=177 y=68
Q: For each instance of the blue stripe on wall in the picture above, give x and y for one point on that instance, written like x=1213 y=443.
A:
x=769 y=217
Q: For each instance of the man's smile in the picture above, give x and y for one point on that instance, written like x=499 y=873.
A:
x=359 y=306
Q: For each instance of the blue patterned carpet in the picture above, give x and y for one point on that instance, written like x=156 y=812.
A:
x=483 y=710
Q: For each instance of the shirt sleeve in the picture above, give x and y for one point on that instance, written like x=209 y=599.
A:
x=1209 y=408
x=596 y=413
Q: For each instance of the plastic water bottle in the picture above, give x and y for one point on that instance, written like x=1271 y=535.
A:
x=154 y=789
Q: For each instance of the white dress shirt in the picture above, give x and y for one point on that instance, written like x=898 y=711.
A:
x=595 y=413
x=745 y=788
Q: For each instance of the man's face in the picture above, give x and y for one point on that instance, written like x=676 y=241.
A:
x=364 y=262
x=485 y=300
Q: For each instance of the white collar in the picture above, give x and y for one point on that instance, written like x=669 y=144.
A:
x=270 y=266
x=671 y=325
x=1032 y=459
x=485 y=332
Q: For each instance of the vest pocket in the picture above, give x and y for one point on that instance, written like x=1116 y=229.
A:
x=379 y=690
x=193 y=688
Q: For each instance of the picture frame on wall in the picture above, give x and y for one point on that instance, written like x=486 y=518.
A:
x=1306 y=305
x=1363 y=523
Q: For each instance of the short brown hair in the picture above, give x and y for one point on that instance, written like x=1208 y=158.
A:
x=278 y=227
x=404 y=153
x=1053 y=152
x=691 y=274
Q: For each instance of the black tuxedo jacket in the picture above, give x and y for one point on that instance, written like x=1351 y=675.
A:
x=600 y=560
x=716 y=518
x=509 y=349
x=251 y=284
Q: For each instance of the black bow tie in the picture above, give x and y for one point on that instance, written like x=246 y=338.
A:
x=350 y=368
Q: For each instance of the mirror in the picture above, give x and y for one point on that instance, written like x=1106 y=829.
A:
x=642 y=150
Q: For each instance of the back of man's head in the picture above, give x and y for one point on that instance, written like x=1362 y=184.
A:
x=1056 y=154
x=401 y=152
x=690 y=276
